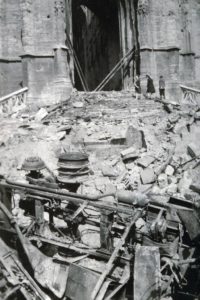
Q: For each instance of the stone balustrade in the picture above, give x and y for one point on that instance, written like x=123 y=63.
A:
x=12 y=102
x=189 y=94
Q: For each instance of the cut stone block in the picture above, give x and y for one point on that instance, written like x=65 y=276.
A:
x=128 y=151
x=41 y=114
x=135 y=137
x=145 y=161
x=148 y=176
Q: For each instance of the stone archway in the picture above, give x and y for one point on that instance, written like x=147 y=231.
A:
x=96 y=41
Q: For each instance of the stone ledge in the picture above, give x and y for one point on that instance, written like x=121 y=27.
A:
x=187 y=53
x=10 y=59
x=171 y=48
x=37 y=55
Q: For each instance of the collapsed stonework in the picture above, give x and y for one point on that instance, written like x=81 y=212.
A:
x=35 y=50
x=99 y=191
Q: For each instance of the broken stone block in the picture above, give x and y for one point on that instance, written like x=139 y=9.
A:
x=109 y=171
x=169 y=170
x=162 y=181
x=127 y=151
x=193 y=150
x=118 y=136
x=61 y=135
x=172 y=189
x=78 y=104
x=130 y=153
x=145 y=161
x=157 y=190
x=172 y=179
x=184 y=183
x=41 y=114
x=118 y=141
x=135 y=137
x=130 y=165
x=101 y=183
x=147 y=176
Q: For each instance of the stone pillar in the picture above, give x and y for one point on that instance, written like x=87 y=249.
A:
x=62 y=82
x=38 y=76
x=45 y=62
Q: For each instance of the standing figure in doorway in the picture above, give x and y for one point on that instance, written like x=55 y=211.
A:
x=150 y=86
x=137 y=87
x=162 y=87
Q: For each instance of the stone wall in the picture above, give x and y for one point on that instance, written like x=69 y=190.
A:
x=10 y=46
x=169 y=37
x=33 y=50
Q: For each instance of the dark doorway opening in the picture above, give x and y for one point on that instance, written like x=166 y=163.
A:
x=96 y=41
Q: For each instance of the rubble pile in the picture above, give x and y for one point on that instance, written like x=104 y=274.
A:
x=111 y=189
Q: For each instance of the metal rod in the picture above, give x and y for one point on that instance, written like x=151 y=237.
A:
x=114 y=255
x=50 y=190
x=77 y=64
x=11 y=292
x=114 y=70
x=14 y=224
x=116 y=67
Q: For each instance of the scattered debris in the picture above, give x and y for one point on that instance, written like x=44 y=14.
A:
x=105 y=178
x=41 y=114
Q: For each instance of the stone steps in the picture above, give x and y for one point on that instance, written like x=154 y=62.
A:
x=119 y=106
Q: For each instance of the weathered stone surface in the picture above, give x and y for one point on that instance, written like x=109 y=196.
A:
x=147 y=264
x=193 y=150
x=148 y=176
x=145 y=161
x=172 y=32
x=128 y=151
x=33 y=44
x=109 y=171
x=33 y=51
x=169 y=170
x=135 y=137
x=41 y=114
x=162 y=181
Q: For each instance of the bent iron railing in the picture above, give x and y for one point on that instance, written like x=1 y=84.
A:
x=189 y=94
x=11 y=102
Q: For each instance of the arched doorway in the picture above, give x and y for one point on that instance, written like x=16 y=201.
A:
x=96 y=41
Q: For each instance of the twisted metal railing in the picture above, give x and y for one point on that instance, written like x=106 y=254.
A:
x=10 y=102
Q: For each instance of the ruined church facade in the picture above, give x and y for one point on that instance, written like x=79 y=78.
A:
x=35 y=50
